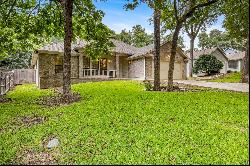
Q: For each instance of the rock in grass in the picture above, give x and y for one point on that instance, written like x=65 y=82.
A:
x=53 y=143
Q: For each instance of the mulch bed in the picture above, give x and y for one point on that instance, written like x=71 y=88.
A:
x=176 y=88
x=60 y=99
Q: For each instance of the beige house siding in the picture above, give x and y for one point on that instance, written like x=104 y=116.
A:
x=180 y=65
x=222 y=58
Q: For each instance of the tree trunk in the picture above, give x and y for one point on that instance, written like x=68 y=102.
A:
x=157 y=22
x=191 y=55
x=245 y=70
x=68 y=8
x=172 y=56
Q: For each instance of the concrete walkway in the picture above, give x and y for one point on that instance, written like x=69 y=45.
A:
x=239 y=87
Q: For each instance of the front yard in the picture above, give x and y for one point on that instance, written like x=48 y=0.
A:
x=230 y=77
x=117 y=122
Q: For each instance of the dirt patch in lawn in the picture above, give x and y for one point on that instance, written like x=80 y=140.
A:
x=32 y=157
x=1 y=130
x=28 y=121
x=60 y=99
x=4 y=99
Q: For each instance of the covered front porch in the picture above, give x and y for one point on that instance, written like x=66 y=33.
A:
x=106 y=67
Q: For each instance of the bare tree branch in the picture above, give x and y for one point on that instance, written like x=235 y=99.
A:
x=192 y=10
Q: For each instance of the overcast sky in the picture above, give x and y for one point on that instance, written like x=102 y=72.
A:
x=116 y=18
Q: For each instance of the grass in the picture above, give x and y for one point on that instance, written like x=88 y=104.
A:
x=117 y=122
x=231 y=77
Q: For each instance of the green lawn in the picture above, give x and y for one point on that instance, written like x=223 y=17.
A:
x=117 y=122
x=231 y=77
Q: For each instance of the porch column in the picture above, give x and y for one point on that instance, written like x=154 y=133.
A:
x=117 y=61
x=80 y=65
x=239 y=66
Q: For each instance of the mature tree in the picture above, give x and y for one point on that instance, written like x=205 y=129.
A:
x=15 y=33
x=201 y=19
x=221 y=39
x=136 y=37
x=17 y=61
x=45 y=18
x=156 y=5
x=175 y=14
x=139 y=36
x=157 y=45
x=237 y=23
x=125 y=36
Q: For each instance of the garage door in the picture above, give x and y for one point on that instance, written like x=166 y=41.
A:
x=164 y=71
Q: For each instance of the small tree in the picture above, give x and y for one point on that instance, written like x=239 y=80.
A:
x=207 y=64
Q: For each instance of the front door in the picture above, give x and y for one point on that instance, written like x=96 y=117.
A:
x=103 y=66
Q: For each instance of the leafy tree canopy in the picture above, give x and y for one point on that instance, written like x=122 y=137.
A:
x=221 y=39
x=17 y=61
x=27 y=24
x=236 y=20
x=136 y=37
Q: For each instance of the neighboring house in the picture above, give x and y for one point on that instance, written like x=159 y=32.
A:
x=216 y=51
x=235 y=61
x=126 y=62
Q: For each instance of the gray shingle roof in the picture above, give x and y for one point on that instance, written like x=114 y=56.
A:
x=202 y=52
x=54 y=47
x=120 y=47
x=237 y=55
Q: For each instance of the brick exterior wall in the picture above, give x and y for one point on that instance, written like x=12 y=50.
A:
x=149 y=67
x=49 y=70
x=136 y=68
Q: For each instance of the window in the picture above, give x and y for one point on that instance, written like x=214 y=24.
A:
x=233 y=64
x=58 y=64
x=86 y=62
x=95 y=64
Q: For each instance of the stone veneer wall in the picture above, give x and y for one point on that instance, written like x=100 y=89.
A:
x=47 y=66
x=149 y=66
x=136 y=68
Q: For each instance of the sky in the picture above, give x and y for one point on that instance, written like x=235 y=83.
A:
x=117 y=18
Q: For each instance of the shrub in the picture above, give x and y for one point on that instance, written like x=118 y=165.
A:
x=148 y=86
x=207 y=64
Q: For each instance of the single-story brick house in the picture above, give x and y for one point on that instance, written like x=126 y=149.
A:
x=215 y=51
x=126 y=62
x=235 y=60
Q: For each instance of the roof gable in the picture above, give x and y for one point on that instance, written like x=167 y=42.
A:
x=198 y=53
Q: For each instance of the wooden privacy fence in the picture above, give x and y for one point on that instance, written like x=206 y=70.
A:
x=18 y=76
x=22 y=76
x=6 y=81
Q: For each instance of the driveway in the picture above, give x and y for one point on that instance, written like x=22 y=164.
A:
x=239 y=87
